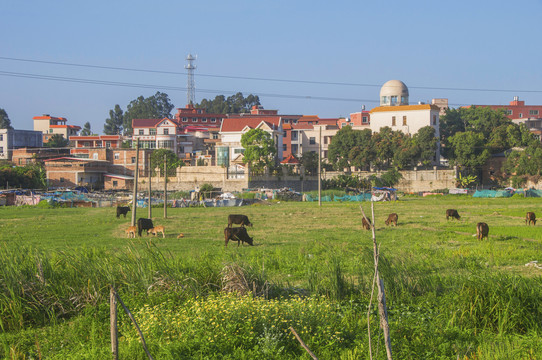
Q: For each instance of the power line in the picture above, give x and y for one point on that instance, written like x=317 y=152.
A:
x=260 y=78
x=166 y=87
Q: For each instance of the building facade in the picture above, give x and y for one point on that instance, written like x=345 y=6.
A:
x=12 y=139
x=51 y=125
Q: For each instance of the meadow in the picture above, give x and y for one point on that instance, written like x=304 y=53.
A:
x=449 y=295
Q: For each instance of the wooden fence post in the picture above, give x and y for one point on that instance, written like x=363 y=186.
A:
x=113 y=320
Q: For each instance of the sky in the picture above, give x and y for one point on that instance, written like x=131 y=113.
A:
x=300 y=57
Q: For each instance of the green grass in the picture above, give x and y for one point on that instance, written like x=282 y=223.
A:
x=449 y=295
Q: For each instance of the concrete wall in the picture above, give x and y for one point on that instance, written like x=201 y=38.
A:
x=188 y=177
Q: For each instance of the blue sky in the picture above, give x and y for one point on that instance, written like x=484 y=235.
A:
x=438 y=49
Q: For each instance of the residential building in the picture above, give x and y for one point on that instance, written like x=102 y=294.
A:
x=358 y=120
x=190 y=115
x=396 y=112
x=11 y=139
x=51 y=125
x=24 y=156
x=96 y=141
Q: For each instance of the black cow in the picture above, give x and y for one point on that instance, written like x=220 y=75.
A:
x=237 y=233
x=530 y=218
x=482 y=231
x=122 y=210
x=144 y=224
x=239 y=219
x=392 y=219
x=452 y=213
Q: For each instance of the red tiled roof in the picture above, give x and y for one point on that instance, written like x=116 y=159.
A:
x=239 y=123
x=290 y=159
x=145 y=123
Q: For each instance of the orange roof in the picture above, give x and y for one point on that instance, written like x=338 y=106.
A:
x=405 y=107
x=65 y=126
x=47 y=117
x=290 y=159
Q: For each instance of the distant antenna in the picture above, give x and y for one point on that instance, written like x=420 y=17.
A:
x=190 y=86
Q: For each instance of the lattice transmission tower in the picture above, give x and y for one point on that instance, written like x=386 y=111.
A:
x=190 y=86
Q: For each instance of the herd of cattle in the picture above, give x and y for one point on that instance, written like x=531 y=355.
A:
x=482 y=229
x=240 y=234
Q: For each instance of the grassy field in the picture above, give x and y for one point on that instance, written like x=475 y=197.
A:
x=449 y=295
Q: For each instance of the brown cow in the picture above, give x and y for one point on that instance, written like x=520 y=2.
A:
x=482 y=231
x=366 y=223
x=131 y=231
x=530 y=217
x=157 y=229
x=452 y=213
x=392 y=219
x=237 y=233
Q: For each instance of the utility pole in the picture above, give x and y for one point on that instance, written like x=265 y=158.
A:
x=150 y=198
x=165 y=187
x=134 y=196
x=320 y=169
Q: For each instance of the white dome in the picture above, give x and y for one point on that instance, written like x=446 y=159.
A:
x=393 y=93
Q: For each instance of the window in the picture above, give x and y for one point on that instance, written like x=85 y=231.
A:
x=294 y=121
x=214 y=136
x=509 y=112
x=284 y=133
x=294 y=148
x=115 y=183
x=404 y=120
x=393 y=100
x=284 y=147
x=365 y=120
x=385 y=100
x=152 y=131
x=194 y=119
x=213 y=120
x=185 y=119
x=199 y=111
x=165 y=144
x=434 y=119
x=239 y=151
x=133 y=159
x=108 y=144
x=1 y=137
x=404 y=100
x=50 y=131
x=393 y=123
x=312 y=140
x=294 y=135
x=117 y=156
x=204 y=120
x=1 y=149
x=166 y=131
x=533 y=112
x=520 y=115
x=141 y=132
x=325 y=139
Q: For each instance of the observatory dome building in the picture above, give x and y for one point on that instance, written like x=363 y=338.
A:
x=394 y=93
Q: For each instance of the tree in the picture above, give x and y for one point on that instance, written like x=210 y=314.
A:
x=342 y=143
x=309 y=160
x=86 y=129
x=157 y=160
x=407 y=153
x=157 y=106
x=234 y=104
x=426 y=142
x=56 y=141
x=468 y=149
x=385 y=143
x=114 y=125
x=5 y=123
x=259 y=148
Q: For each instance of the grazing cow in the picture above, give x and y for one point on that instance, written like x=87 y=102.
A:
x=482 y=230
x=131 y=231
x=122 y=210
x=157 y=229
x=366 y=224
x=452 y=213
x=237 y=233
x=530 y=217
x=392 y=219
x=144 y=224
x=239 y=219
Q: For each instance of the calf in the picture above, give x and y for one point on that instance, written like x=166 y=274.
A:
x=452 y=213
x=482 y=230
x=239 y=219
x=530 y=217
x=131 y=231
x=366 y=223
x=392 y=219
x=122 y=210
x=144 y=224
x=237 y=233
x=157 y=229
